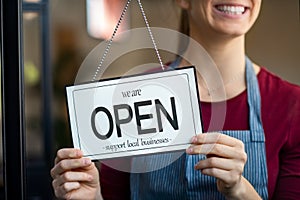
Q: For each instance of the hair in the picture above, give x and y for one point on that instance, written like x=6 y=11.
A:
x=184 y=28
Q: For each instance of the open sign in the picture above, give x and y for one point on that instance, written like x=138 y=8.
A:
x=135 y=115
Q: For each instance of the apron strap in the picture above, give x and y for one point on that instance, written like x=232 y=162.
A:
x=254 y=103
x=175 y=63
x=254 y=100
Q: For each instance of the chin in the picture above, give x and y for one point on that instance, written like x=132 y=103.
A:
x=232 y=31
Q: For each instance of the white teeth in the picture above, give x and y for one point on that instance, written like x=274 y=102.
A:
x=234 y=10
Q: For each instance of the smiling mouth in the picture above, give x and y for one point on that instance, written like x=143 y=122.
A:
x=231 y=10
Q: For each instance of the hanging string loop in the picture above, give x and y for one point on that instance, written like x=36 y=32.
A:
x=106 y=51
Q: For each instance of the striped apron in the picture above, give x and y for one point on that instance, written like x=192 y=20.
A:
x=180 y=180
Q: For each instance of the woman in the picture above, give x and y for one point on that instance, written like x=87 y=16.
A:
x=257 y=155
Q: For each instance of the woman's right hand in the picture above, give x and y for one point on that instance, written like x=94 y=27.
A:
x=75 y=177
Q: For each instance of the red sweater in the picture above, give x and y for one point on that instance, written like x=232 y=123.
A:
x=281 y=122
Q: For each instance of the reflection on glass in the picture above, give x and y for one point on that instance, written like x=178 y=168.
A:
x=102 y=17
x=30 y=16
x=32 y=1
x=33 y=98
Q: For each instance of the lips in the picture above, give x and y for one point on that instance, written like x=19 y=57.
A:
x=231 y=9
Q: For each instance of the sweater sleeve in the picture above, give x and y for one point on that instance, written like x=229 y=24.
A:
x=115 y=184
x=288 y=181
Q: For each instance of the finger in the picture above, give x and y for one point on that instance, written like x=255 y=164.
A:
x=210 y=138
x=78 y=194
x=229 y=177
x=72 y=176
x=219 y=163
x=216 y=149
x=70 y=164
x=67 y=153
x=64 y=191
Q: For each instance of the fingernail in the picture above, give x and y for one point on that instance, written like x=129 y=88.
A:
x=189 y=150
x=194 y=139
x=87 y=161
x=90 y=178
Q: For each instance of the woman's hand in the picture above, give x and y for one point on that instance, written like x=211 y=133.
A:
x=225 y=161
x=75 y=177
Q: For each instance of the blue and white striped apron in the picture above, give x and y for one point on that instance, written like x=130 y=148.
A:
x=180 y=180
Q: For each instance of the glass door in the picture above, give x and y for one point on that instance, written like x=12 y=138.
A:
x=26 y=100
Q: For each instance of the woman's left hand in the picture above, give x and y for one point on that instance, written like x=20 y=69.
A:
x=225 y=160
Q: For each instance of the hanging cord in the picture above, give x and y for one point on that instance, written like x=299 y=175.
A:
x=110 y=41
x=99 y=68
x=151 y=35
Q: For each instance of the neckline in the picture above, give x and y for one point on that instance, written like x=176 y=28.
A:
x=236 y=98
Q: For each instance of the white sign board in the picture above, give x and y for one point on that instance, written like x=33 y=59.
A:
x=135 y=115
